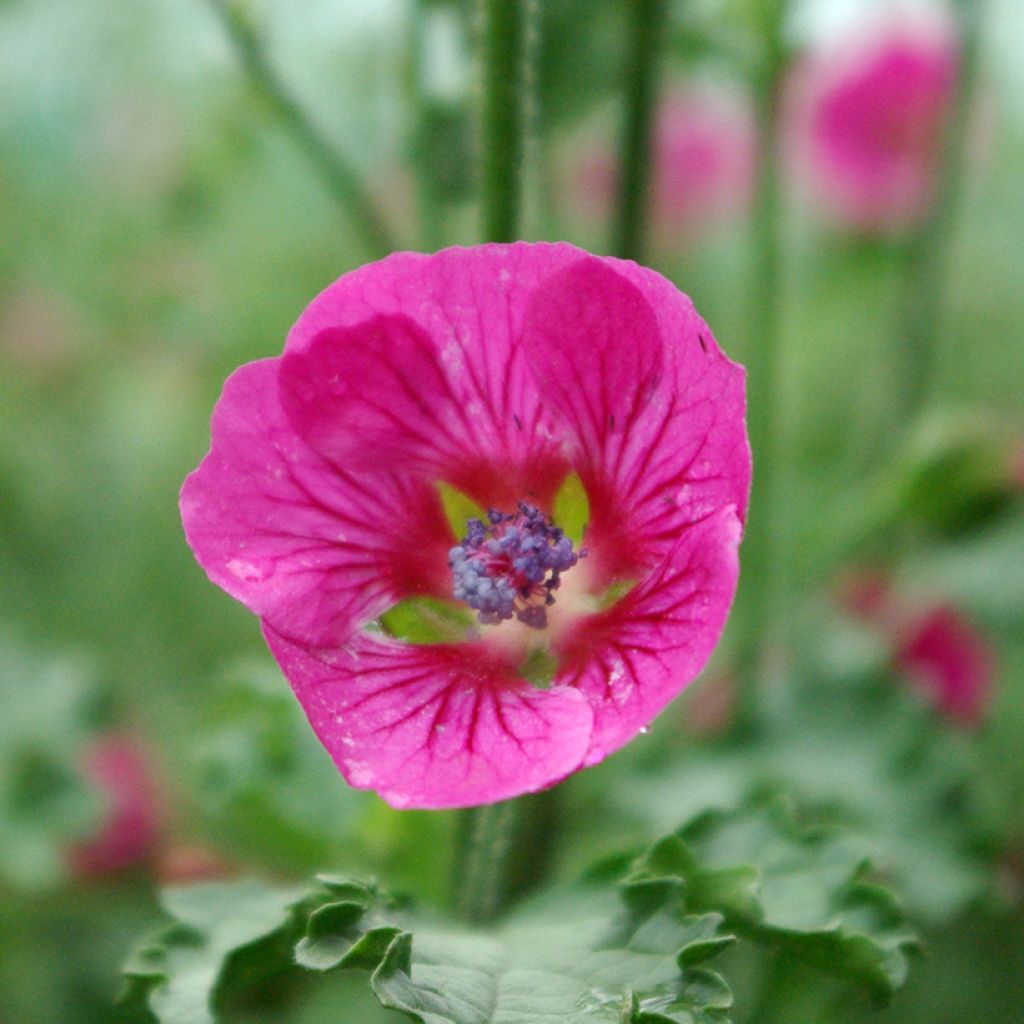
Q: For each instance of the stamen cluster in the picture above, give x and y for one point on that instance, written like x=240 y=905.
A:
x=510 y=566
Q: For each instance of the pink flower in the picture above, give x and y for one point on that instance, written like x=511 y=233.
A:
x=499 y=371
x=932 y=644
x=703 y=165
x=118 y=767
x=866 y=118
x=943 y=652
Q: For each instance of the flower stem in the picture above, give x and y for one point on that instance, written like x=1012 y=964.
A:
x=646 y=30
x=430 y=209
x=337 y=173
x=504 y=850
x=762 y=564
x=929 y=249
x=503 y=33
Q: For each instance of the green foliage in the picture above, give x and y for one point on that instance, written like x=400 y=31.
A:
x=805 y=890
x=580 y=958
x=863 y=754
x=263 y=780
x=216 y=924
x=595 y=951
x=45 y=801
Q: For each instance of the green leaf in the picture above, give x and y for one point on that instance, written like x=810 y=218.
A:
x=179 y=973
x=592 y=953
x=581 y=957
x=578 y=959
x=855 y=747
x=807 y=890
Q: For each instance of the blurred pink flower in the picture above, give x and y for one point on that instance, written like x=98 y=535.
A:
x=499 y=370
x=703 y=170
x=943 y=652
x=932 y=644
x=118 y=767
x=865 y=118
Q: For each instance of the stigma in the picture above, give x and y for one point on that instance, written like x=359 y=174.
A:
x=510 y=566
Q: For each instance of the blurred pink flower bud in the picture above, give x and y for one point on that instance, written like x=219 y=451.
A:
x=933 y=644
x=703 y=172
x=865 y=120
x=943 y=652
x=117 y=765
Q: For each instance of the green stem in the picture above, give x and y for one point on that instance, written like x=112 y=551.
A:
x=428 y=207
x=503 y=41
x=484 y=850
x=647 y=25
x=929 y=249
x=338 y=175
x=504 y=851
x=761 y=561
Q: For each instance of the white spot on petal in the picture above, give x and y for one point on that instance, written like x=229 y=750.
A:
x=621 y=687
x=244 y=570
x=359 y=773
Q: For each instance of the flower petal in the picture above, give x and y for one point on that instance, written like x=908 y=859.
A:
x=314 y=550
x=435 y=726
x=427 y=352
x=654 y=409
x=632 y=659
x=373 y=396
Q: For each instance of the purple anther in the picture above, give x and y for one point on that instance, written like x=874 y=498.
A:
x=511 y=567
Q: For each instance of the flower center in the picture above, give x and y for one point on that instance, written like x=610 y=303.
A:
x=511 y=566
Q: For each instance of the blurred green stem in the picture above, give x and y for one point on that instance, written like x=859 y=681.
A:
x=929 y=249
x=431 y=211
x=504 y=850
x=483 y=852
x=503 y=45
x=647 y=25
x=760 y=588
x=339 y=176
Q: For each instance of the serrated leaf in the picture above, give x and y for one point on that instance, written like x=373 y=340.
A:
x=852 y=747
x=178 y=973
x=577 y=960
x=586 y=957
x=805 y=889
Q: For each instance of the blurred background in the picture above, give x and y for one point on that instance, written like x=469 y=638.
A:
x=175 y=182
